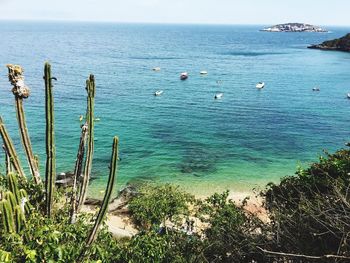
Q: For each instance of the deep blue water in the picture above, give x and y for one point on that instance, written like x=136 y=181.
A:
x=244 y=140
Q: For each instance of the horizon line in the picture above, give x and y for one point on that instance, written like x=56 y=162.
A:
x=157 y=23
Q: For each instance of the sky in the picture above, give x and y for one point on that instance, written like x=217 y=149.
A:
x=262 y=12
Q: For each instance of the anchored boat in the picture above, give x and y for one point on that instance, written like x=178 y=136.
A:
x=260 y=85
x=158 y=93
x=218 y=95
x=183 y=75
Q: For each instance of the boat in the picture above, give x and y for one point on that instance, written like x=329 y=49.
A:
x=316 y=89
x=158 y=93
x=218 y=95
x=183 y=75
x=260 y=85
x=203 y=72
x=348 y=95
x=156 y=69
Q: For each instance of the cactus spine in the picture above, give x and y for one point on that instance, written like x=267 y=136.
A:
x=106 y=199
x=90 y=88
x=21 y=91
x=50 y=174
x=10 y=149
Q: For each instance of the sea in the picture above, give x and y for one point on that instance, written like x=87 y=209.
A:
x=240 y=142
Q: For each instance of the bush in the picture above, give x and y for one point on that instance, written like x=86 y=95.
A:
x=233 y=233
x=154 y=205
x=310 y=212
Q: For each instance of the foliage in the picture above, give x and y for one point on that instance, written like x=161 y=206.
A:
x=173 y=246
x=55 y=239
x=310 y=212
x=157 y=204
x=233 y=233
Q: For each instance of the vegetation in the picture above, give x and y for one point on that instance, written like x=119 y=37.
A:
x=32 y=229
x=308 y=214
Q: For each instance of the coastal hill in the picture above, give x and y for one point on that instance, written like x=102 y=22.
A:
x=294 y=27
x=339 y=44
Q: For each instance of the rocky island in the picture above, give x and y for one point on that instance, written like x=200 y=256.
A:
x=294 y=27
x=339 y=44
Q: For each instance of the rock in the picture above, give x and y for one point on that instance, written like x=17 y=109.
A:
x=66 y=179
x=338 y=44
x=294 y=27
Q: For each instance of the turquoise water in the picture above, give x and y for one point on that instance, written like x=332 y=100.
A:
x=245 y=140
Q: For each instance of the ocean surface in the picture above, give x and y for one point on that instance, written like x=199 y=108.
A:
x=248 y=138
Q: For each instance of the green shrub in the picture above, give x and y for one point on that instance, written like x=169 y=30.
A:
x=155 y=204
x=310 y=212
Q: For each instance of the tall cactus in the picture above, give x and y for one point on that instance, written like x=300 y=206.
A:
x=106 y=199
x=90 y=88
x=10 y=149
x=50 y=174
x=21 y=91
x=78 y=171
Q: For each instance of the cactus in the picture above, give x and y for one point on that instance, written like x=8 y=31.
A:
x=20 y=219
x=21 y=91
x=7 y=160
x=13 y=186
x=90 y=88
x=7 y=216
x=50 y=174
x=106 y=199
x=10 y=149
x=78 y=171
x=9 y=196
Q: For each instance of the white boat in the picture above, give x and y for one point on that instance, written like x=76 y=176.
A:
x=218 y=95
x=183 y=75
x=156 y=69
x=158 y=93
x=203 y=72
x=316 y=89
x=348 y=95
x=260 y=85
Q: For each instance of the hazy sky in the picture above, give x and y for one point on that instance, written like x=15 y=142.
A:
x=321 y=12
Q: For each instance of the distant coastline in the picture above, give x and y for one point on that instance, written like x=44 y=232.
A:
x=294 y=27
x=338 y=44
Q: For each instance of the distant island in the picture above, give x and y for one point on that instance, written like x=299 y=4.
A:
x=294 y=27
x=338 y=44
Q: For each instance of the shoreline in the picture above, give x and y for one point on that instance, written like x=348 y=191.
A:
x=120 y=224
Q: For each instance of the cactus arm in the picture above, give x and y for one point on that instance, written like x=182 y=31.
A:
x=7 y=216
x=26 y=141
x=9 y=196
x=106 y=199
x=7 y=160
x=50 y=173
x=21 y=91
x=90 y=88
x=13 y=187
x=19 y=218
x=78 y=171
x=10 y=149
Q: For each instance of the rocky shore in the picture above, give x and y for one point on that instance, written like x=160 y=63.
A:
x=338 y=44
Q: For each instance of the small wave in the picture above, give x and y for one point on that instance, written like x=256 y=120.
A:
x=251 y=53
x=154 y=58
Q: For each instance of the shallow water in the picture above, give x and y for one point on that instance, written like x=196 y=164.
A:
x=247 y=139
